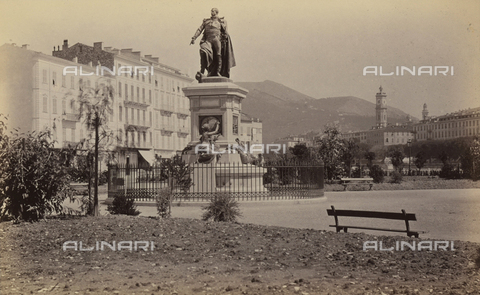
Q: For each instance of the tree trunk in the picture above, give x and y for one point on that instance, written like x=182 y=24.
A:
x=95 y=196
x=89 y=163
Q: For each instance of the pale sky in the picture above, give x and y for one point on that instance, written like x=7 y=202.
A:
x=316 y=47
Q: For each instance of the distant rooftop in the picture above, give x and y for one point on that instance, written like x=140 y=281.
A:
x=125 y=53
x=246 y=117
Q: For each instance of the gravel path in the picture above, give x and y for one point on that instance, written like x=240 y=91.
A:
x=445 y=214
x=451 y=214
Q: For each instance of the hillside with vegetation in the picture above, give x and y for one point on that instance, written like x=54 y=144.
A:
x=285 y=111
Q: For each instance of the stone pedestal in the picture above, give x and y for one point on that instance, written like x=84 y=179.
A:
x=240 y=179
x=220 y=98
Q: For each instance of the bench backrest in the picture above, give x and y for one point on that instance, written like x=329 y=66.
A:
x=357 y=179
x=372 y=214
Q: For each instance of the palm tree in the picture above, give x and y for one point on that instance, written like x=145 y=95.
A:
x=95 y=106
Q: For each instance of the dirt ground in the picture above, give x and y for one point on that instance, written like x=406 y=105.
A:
x=196 y=257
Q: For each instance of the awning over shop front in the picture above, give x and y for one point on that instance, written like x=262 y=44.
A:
x=148 y=156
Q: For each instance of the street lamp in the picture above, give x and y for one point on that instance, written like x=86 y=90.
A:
x=409 y=144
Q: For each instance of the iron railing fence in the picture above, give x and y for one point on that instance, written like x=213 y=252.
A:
x=245 y=182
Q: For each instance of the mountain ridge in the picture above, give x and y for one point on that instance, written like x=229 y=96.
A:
x=285 y=111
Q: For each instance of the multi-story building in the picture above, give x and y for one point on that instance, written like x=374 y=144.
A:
x=250 y=130
x=150 y=113
x=391 y=135
x=36 y=96
x=358 y=136
x=462 y=123
x=291 y=141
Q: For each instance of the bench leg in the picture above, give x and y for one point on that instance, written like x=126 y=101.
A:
x=410 y=234
x=344 y=187
x=345 y=229
x=371 y=185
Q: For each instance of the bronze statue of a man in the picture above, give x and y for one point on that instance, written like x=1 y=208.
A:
x=216 y=51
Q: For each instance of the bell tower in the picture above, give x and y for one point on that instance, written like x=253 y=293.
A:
x=381 y=109
x=425 y=112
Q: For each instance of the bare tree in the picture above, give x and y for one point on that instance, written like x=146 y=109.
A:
x=95 y=106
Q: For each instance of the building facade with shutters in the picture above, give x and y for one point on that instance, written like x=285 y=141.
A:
x=462 y=123
x=36 y=96
x=251 y=130
x=150 y=112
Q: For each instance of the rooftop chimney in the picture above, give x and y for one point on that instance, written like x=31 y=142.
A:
x=65 y=45
x=97 y=45
x=137 y=53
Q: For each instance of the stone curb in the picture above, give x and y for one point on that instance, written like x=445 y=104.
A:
x=241 y=203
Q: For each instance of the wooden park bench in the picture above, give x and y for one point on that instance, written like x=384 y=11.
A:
x=348 y=181
x=373 y=214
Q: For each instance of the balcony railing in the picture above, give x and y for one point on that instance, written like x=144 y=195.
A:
x=141 y=103
x=137 y=124
x=182 y=112
x=138 y=144
x=167 y=127
x=71 y=117
x=167 y=107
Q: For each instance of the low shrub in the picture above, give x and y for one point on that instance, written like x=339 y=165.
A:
x=449 y=172
x=396 y=177
x=123 y=205
x=34 y=180
x=222 y=207
x=86 y=203
x=164 y=200
x=269 y=177
x=376 y=173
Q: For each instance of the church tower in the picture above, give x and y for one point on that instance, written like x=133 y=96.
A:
x=381 y=109
x=425 y=112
